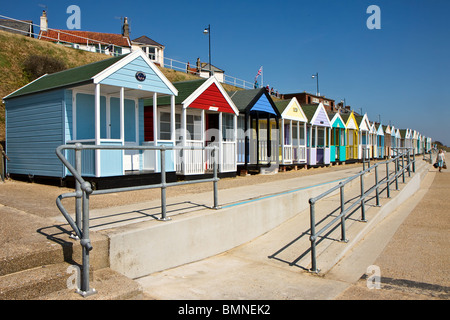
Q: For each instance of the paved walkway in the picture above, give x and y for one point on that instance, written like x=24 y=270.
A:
x=415 y=261
x=270 y=266
x=273 y=266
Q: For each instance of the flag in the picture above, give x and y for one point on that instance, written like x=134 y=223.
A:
x=259 y=73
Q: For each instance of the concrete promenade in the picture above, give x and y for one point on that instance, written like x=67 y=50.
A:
x=409 y=244
x=257 y=245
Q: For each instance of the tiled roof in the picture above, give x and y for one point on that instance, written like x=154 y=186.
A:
x=147 y=40
x=80 y=37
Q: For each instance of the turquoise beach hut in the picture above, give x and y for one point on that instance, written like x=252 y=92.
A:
x=337 y=143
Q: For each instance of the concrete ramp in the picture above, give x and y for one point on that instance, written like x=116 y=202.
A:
x=196 y=231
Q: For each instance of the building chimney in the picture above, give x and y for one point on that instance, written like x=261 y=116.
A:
x=44 y=22
x=126 y=28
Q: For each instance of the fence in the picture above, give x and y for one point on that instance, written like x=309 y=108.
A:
x=399 y=161
x=83 y=191
x=114 y=50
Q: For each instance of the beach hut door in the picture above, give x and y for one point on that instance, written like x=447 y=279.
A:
x=131 y=157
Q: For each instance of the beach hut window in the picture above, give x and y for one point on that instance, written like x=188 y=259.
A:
x=164 y=125
x=228 y=127
x=194 y=127
x=302 y=133
x=342 y=133
x=295 y=133
x=320 y=137
x=287 y=134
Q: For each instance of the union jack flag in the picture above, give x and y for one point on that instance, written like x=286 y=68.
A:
x=259 y=72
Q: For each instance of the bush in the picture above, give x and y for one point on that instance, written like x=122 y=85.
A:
x=36 y=66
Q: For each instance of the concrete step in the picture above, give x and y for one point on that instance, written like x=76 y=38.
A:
x=24 y=257
x=52 y=282
x=29 y=242
x=109 y=284
x=31 y=283
x=36 y=256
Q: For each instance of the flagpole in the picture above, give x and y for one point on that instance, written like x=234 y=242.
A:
x=262 y=77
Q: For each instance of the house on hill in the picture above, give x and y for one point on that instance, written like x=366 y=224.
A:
x=308 y=98
x=205 y=70
x=153 y=49
x=107 y=43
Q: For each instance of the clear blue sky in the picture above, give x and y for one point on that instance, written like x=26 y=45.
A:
x=399 y=73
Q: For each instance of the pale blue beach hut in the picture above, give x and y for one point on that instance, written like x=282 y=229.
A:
x=97 y=104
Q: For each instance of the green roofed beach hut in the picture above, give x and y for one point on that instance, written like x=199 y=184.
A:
x=318 y=139
x=97 y=104
x=292 y=133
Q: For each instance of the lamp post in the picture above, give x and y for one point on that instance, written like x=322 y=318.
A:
x=208 y=32
x=317 y=78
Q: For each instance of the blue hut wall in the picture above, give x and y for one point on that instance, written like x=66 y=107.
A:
x=126 y=77
x=34 y=129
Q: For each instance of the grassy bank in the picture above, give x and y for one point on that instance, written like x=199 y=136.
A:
x=16 y=51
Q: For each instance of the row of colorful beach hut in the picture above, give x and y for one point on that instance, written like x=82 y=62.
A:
x=127 y=101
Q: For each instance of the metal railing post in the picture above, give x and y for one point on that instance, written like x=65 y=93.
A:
x=79 y=195
x=396 y=172
x=388 y=191
x=403 y=167
x=215 y=182
x=86 y=245
x=363 y=207
x=364 y=158
x=343 y=237
x=163 y=184
x=377 y=193
x=409 y=163
x=313 y=238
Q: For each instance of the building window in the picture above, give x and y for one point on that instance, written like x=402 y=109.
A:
x=164 y=132
x=227 y=127
x=194 y=127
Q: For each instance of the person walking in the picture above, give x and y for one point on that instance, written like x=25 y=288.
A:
x=440 y=159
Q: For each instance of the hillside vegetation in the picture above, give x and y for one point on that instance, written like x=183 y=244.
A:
x=22 y=59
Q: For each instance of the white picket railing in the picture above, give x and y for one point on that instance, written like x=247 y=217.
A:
x=190 y=161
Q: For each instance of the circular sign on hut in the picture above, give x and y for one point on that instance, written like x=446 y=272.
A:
x=140 y=76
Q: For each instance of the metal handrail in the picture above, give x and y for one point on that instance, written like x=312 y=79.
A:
x=360 y=201
x=83 y=190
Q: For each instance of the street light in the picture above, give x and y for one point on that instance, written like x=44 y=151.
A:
x=317 y=77
x=208 y=32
